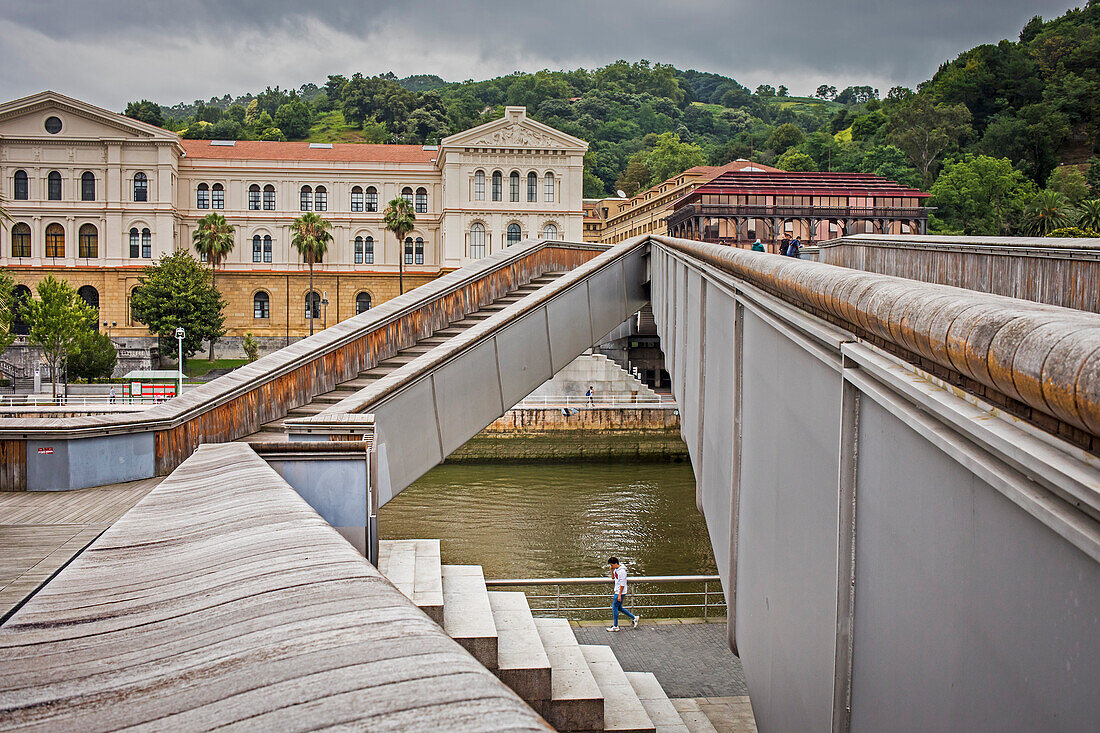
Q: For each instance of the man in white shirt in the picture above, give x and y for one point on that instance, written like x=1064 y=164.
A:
x=618 y=574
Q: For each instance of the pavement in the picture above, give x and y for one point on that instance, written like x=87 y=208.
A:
x=692 y=661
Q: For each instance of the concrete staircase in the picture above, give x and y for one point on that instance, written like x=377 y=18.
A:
x=574 y=687
x=608 y=380
x=276 y=431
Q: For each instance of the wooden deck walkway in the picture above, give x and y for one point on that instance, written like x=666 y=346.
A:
x=223 y=599
x=40 y=531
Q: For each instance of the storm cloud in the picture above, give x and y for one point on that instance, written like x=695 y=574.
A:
x=108 y=52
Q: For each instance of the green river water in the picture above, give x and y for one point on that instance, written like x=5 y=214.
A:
x=557 y=520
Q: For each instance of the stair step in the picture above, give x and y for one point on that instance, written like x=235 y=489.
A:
x=657 y=706
x=576 y=703
x=693 y=716
x=397 y=561
x=467 y=615
x=428 y=580
x=622 y=710
x=522 y=663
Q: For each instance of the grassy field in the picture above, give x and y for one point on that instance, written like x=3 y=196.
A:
x=332 y=128
x=199 y=366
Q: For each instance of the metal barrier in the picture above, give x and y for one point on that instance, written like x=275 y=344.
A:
x=568 y=599
x=661 y=400
x=42 y=400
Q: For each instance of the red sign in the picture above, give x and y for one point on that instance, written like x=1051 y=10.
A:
x=45 y=451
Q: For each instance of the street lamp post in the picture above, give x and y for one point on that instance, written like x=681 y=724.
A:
x=180 y=333
x=324 y=309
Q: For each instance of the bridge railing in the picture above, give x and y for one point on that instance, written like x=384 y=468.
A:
x=238 y=403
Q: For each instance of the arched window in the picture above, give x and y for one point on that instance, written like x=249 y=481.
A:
x=20 y=294
x=550 y=189
x=53 y=186
x=202 y=196
x=532 y=187
x=368 y=251
x=218 y=195
x=407 y=194
x=513 y=187
x=513 y=234
x=550 y=231
x=55 y=240
x=90 y=296
x=261 y=305
x=146 y=244
x=267 y=248
x=21 y=240
x=257 y=251
x=88 y=242
x=479 y=185
x=306 y=199
x=498 y=179
x=87 y=186
x=421 y=201
x=420 y=250
x=477 y=241
x=320 y=199
x=141 y=187
x=135 y=243
x=254 y=197
x=357 y=198
x=22 y=190
x=362 y=303
x=269 y=198
x=313 y=305
x=372 y=198
x=408 y=250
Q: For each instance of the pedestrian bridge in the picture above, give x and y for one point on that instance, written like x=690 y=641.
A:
x=901 y=480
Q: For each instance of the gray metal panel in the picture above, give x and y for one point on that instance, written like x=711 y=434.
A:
x=48 y=465
x=969 y=614
x=335 y=488
x=408 y=438
x=523 y=351
x=467 y=395
x=788 y=519
x=715 y=470
x=690 y=407
x=634 y=279
x=84 y=462
x=606 y=299
x=570 y=326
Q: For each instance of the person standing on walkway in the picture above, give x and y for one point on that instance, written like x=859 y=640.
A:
x=757 y=246
x=795 y=249
x=618 y=574
x=588 y=395
x=112 y=395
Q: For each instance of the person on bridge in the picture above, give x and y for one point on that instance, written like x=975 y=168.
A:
x=757 y=247
x=618 y=574
x=795 y=249
x=784 y=243
x=588 y=395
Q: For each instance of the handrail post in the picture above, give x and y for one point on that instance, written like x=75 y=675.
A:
x=706 y=599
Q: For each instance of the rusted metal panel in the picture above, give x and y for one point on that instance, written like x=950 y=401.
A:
x=13 y=465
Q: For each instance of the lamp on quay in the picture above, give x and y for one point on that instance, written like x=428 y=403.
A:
x=180 y=333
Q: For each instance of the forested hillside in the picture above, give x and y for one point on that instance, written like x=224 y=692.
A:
x=985 y=134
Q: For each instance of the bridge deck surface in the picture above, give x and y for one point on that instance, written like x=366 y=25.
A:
x=40 y=531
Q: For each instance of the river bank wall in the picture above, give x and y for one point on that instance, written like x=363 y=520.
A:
x=597 y=434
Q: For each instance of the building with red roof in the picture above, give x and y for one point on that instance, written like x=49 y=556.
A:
x=737 y=207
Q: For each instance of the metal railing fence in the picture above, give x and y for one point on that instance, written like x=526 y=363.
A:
x=655 y=596
x=660 y=400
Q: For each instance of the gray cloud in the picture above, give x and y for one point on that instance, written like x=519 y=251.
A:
x=112 y=52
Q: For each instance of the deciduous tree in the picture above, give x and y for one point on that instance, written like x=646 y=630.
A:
x=924 y=130
x=93 y=356
x=980 y=195
x=57 y=319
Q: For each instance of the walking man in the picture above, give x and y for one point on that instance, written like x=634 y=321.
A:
x=618 y=573
x=588 y=395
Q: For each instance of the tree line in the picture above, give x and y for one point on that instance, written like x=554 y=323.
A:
x=1032 y=102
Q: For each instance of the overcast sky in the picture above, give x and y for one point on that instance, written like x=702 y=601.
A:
x=108 y=52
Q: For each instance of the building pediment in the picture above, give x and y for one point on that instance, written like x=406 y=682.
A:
x=515 y=130
x=26 y=118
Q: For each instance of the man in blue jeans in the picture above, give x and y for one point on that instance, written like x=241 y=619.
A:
x=618 y=574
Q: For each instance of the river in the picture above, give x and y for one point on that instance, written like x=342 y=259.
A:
x=557 y=520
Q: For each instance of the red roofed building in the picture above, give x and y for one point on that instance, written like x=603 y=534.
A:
x=737 y=207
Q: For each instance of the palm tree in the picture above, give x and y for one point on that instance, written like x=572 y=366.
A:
x=400 y=220
x=311 y=239
x=213 y=238
x=1048 y=211
x=4 y=215
x=1088 y=216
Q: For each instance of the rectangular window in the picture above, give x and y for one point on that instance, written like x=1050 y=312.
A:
x=408 y=251
x=513 y=188
x=267 y=249
x=358 y=250
x=218 y=195
x=321 y=200
x=479 y=186
x=87 y=187
x=254 y=199
x=203 y=199
x=421 y=203
x=306 y=202
x=356 y=202
x=255 y=249
x=419 y=251
x=269 y=198
x=532 y=188
x=261 y=308
x=141 y=189
x=53 y=188
x=21 y=242
x=372 y=200
x=368 y=251
x=135 y=246
x=22 y=187
x=551 y=191
x=496 y=186
x=146 y=244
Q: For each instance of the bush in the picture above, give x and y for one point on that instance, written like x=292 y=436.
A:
x=93 y=358
x=251 y=348
x=1073 y=232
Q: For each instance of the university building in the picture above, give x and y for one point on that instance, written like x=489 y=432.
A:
x=95 y=197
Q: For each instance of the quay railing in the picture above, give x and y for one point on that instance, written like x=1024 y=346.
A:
x=654 y=596
x=44 y=400
x=597 y=401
